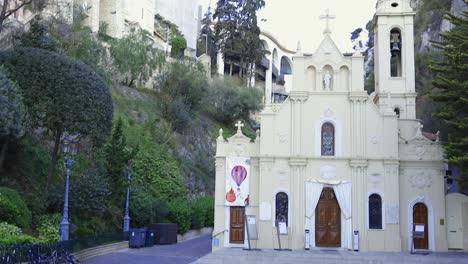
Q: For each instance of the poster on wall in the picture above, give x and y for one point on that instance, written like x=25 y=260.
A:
x=237 y=181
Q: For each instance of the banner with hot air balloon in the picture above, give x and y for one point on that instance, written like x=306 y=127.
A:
x=237 y=181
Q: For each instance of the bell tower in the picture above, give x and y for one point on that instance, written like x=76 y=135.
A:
x=394 y=57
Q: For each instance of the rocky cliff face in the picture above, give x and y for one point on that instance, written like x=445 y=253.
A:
x=429 y=21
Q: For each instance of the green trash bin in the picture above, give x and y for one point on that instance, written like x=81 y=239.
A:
x=149 y=241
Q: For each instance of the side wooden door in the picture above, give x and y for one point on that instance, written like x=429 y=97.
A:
x=236 y=232
x=328 y=220
x=420 y=217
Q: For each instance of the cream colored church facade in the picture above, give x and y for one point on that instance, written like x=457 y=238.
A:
x=333 y=160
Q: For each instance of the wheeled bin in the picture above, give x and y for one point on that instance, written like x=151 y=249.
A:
x=137 y=237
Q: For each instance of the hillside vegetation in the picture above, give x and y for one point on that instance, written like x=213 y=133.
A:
x=166 y=116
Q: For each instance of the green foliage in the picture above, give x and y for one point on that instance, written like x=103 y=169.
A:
x=135 y=57
x=117 y=155
x=178 y=45
x=61 y=94
x=182 y=87
x=145 y=208
x=160 y=173
x=7 y=230
x=18 y=240
x=180 y=213
x=11 y=107
x=229 y=102
x=90 y=194
x=49 y=228
x=13 y=209
x=238 y=33
x=202 y=212
x=452 y=90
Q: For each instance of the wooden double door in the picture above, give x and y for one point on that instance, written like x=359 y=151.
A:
x=420 y=217
x=328 y=220
x=237 y=225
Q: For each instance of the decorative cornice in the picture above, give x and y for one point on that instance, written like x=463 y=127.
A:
x=358 y=163
x=297 y=162
x=298 y=96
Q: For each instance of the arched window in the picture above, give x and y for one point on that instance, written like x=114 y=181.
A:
x=281 y=210
x=328 y=139
x=375 y=211
x=397 y=111
x=395 y=50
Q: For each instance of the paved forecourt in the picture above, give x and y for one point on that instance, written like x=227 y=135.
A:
x=184 y=252
x=237 y=255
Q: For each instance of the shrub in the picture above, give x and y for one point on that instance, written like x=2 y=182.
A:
x=13 y=209
x=11 y=234
x=145 y=208
x=180 y=214
x=229 y=102
x=49 y=228
x=183 y=81
x=7 y=230
x=202 y=212
x=160 y=173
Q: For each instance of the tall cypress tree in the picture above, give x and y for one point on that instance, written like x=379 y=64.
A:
x=207 y=29
x=238 y=33
x=451 y=84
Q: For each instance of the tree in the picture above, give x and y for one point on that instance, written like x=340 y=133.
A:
x=135 y=56
x=9 y=7
x=178 y=44
x=11 y=113
x=226 y=32
x=206 y=41
x=451 y=84
x=61 y=95
x=252 y=50
x=238 y=33
x=117 y=155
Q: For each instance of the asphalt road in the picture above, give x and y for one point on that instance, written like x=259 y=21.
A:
x=180 y=253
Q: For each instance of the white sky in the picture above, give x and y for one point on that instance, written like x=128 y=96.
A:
x=291 y=21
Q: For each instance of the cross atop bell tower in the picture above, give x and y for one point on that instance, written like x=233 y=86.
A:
x=327 y=18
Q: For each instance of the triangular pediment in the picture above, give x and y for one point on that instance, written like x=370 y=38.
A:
x=328 y=49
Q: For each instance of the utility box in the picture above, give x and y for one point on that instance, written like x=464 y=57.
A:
x=137 y=237
x=149 y=241
x=165 y=233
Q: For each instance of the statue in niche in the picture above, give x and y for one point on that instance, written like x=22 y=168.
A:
x=327 y=81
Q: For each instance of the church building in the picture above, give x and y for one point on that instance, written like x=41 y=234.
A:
x=332 y=166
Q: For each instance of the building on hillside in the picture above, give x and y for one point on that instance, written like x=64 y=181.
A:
x=273 y=74
x=120 y=16
x=333 y=166
x=186 y=14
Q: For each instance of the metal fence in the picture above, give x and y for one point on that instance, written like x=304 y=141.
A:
x=57 y=252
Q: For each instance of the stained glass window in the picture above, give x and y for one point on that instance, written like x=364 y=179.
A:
x=282 y=207
x=375 y=211
x=328 y=140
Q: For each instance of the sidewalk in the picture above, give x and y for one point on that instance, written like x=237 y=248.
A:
x=181 y=253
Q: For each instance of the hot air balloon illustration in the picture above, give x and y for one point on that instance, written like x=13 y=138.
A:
x=238 y=174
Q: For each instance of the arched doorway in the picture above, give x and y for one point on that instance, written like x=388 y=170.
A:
x=328 y=220
x=420 y=217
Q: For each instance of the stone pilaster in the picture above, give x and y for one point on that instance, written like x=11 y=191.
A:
x=296 y=236
x=359 y=198
x=358 y=124
x=297 y=99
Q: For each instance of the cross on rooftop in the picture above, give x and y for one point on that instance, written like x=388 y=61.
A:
x=327 y=18
x=239 y=125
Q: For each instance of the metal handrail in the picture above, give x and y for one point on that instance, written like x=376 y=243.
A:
x=219 y=233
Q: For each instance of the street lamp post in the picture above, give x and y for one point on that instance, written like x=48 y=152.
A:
x=69 y=148
x=126 y=223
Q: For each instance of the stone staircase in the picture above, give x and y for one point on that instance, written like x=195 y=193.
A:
x=239 y=256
